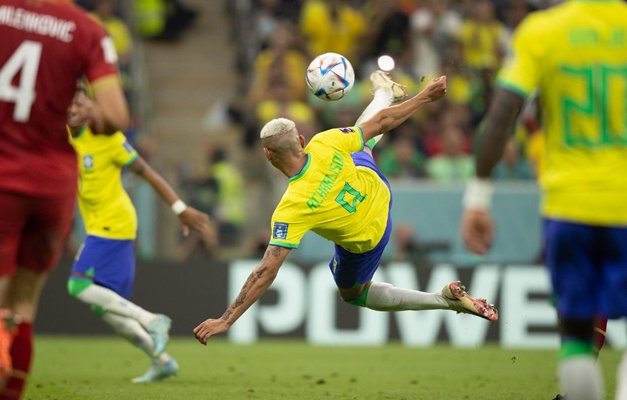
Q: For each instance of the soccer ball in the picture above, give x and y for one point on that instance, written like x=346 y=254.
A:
x=330 y=76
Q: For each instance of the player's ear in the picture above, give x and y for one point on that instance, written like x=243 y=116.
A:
x=268 y=153
x=301 y=139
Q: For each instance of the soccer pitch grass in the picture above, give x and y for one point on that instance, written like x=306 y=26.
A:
x=97 y=368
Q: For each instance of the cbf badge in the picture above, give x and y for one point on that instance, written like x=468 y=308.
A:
x=88 y=161
x=279 y=230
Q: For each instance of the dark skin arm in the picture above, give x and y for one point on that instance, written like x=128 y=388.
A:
x=256 y=285
x=188 y=218
x=109 y=112
x=477 y=227
x=499 y=121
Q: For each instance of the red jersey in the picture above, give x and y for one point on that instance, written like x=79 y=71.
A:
x=46 y=47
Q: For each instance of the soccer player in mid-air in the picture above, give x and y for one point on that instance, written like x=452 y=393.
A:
x=581 y=77
x=104 y=270
x=336 y=190
x=45 y=47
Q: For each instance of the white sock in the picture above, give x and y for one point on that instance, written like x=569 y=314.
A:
x=132 y=331
x=621 y=379
x=385 y=297
x=382 y=98
x=580 y=378
x=110 y=301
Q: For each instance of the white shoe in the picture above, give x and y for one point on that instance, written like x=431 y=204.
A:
x=158 y=372
x=159 y=330
x=381 y=79
x=459 y=300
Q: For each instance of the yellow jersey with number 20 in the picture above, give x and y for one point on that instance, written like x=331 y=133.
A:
x=331 y=196
x=576 y=55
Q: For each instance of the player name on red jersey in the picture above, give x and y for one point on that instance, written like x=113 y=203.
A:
x=45 y=25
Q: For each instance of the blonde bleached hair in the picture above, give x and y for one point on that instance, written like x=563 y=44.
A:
x=277 y=127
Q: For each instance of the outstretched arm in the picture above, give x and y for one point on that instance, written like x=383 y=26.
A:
x=109 y=112
x=498 y=124
x=391 y=117
x=477 y=228
x=257 y=283
x=188 y=216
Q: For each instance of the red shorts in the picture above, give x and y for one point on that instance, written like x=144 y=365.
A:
x=33 y=231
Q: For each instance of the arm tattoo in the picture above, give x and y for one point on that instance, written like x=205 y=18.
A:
x=266 y=255
x=273 y=251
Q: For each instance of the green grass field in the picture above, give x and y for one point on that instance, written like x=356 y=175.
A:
x=69 y=368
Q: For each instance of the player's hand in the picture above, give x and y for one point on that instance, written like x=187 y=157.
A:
x=477 y=230
x=209 y=328
x=199 y=221
x=435 y=89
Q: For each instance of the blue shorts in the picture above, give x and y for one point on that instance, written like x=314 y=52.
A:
x=348 y=268
x=588 y=266
x=108 y=262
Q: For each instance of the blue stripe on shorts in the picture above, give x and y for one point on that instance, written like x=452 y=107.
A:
x=111 y=261
x=349 y=268
x=588 y=266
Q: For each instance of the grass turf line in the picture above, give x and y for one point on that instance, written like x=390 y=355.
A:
x=98 y=368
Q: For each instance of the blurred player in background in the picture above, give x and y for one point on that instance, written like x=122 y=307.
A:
x=581 y=76
x=104 y=269
x=337 y=191
x=531 y=119
x=45 y=47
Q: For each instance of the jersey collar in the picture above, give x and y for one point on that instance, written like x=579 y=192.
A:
x=303 y=170
x=80 y=133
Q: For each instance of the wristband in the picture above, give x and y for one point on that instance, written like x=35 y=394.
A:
x=478 y=194
x=178 y=207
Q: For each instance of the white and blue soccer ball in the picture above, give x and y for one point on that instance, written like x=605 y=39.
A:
x=330 y=76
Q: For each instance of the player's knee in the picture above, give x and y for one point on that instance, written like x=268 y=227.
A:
x=359 y=299
x=75 y=286
x=580 y=329
x=99 y=311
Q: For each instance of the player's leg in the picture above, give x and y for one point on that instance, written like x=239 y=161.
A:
x=385 y=92
x=161 y=366
x=13 y=217
x=353 y=275
x=102 y=276
x=571 y=251
x=24 y=292
x=613 y=294
x=621 y=378
x=600 y=328
x=43 y=236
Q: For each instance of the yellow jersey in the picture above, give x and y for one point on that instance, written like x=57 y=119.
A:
x=331 y=196
x=328 y=33
x=576 y=55
x=481 y=42
x=104 y=204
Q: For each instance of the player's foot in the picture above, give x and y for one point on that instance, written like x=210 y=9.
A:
x=459 y=300
x=560 y=397
x=158 y=372
x=159 y=330
x=381 y=79
x=8 y=329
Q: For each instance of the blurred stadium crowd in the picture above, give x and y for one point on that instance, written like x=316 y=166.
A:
x=467 y=40
x=274 y=41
